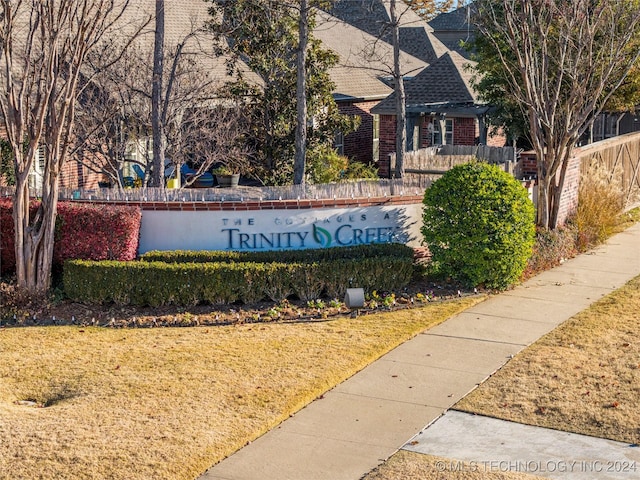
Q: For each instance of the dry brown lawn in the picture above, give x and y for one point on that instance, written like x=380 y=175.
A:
x=583 y=377
x=407 y=465
x=167 y=403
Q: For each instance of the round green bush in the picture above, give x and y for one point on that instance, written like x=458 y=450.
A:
x=479 y=225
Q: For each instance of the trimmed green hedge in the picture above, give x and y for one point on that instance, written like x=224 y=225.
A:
x=163 y=283
x=479 y=225
x=376 y=250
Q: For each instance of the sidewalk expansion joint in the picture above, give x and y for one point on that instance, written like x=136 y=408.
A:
x=483 y=339
x=402 y=402
x=444 y=369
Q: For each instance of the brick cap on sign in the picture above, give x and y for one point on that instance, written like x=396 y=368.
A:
x=305 y=204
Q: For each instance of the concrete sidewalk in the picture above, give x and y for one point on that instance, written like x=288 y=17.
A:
x=364 y=420
x=489 y=445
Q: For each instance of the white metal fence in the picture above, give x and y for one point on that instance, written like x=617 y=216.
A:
x=358 y=189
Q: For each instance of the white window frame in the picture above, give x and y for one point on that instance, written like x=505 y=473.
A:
x=436 y=134
x=338 y=142
x=376 y=137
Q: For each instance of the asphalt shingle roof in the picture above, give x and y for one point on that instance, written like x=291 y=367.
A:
x=372 y=17
x=421 y=43
x=455 y=28
x=363 y=62
x=359 y=73
x=456 y=20
x=446 y=81
x=184 y=23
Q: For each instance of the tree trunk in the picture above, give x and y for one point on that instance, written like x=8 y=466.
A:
x=301 y=95
x=401 y=117
x=157 y=179
x=563 y=62
x=38 y=98
x=552 y=172
x=34 y=239
x=21 y=229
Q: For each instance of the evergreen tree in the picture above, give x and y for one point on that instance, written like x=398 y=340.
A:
x=263 y=34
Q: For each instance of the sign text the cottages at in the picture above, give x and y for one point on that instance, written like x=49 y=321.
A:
x=279 y=229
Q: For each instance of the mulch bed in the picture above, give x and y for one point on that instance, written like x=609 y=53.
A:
x=63 y=312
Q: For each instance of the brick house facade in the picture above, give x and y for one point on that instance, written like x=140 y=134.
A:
x=442 y=108
x=359 y=145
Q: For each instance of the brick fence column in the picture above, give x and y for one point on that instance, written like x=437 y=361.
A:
x=569 y=195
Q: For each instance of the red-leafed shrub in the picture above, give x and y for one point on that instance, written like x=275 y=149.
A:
x=83 y=231
x=96 y=232
x=7 y=250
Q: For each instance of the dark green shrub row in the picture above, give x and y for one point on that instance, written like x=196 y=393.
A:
x=162 y=283
x=376 y=250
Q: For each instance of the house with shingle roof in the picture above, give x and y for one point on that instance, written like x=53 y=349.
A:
x=361 y=80
x=357 y=30
x=363 y=77
x=442 y=107
x=454 y=28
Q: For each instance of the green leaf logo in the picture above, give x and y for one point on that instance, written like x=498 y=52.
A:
x=322 y=236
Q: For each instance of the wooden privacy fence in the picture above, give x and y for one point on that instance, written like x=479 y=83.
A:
x=620 y=158
x=438 y=160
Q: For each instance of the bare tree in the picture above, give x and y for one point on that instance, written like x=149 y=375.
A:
x=122 y=112
x=561 y=60
x=181 y=80
x=215 y=135
x=103 y=120
x=112 y=116
x=44 y=51
x=199 y=130
x=385 y=56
